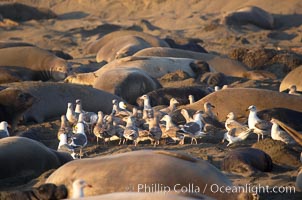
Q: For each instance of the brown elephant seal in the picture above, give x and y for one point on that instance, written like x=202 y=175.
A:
x=44 y=65
x=13 y=104
x=53 y=98
x=147 y=196
x=237 y=100
x=120 y=47
x=292 y=78
x=141 y=169
x=247 y=161
x=43 y=192
x=95 y=46
x=127 y=83
x=25 y=159
x=249 y=15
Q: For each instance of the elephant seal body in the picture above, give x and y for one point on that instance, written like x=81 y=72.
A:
x=247 y=161
x=13 y=104
x=127 y=83
x=44 y=65
x=237 y=100
x=121 y=47
x=292 y=78
x=218 y=64
x=116 y=173
x=15 y=74
x=250 y=15
x=95 y=46
x=26 y=159
x=53 y=98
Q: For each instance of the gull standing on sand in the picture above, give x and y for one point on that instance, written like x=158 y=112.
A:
x=65 y=127
x=78 y=188
x=260 y=127
x=231 y=123
x=89 y=118
x=171 y=130
x=71 y=115
x=3 y=129
x=147 y=110
x=154 y=130
x=99 y=128
x=278 y=134
x=131 y=131
x=79 y=138
x=191 y=99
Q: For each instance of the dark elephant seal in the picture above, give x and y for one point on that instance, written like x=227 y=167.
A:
x=292 y=78
x=43 y=192
x=162 y=96
x=247 y=161
x=44 y=65
x=95 y=46
x=12 y=74
x=237 y=100
x=249 y=15
x=26 y=159
x=139 y=168
x=53 y=98
x=13 y=104
x=127 y=83
x=121 y=47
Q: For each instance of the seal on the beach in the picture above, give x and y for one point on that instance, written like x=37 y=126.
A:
x=13 y=103
x=237 y=100
x=159 y=167
x=121 y=47
x=247 y=161
x=44 y=65
x=10 y=74
x=127 y=83
x=26 y=159
x=292 y=78
x=249 y=15
x=95 y=46
x=53 y=98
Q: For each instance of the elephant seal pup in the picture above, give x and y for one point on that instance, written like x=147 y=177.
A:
x=45 y=66
x=13 y=104
x=247 y=161
x=95 y=46
x=162 y=96
x=53 y=98
x=249 y=15
x=121 y=47
x=43 y=192
x=169 y=169
x=25 y=159
x=237 y=100
x=292 y=78
x=127 y=83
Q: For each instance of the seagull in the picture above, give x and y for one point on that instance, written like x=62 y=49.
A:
x=78 y=188
x=259 y=126
x=208 y=117
x=119 y=109
x=3 y=129
x=89 y=118
x=231 y=123
x=131 y=131
x=64 y=128
x=191 y=99
x=71 y=115
x=99 y=128
x=171 y=130
x=278 y=134
x=147 y=110
x=194 y=128
x=154 y=130
x=79 y=138
x=293 y=90
x=237 y=134
x=186 y=115
x=64 y=146
x=171 y=108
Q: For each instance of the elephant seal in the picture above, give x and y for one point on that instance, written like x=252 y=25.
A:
x=217 y=63
x=249 y=15
x=147 y=196
x=12 y=74
x=141 y=169
x=26 y=159
x=127 y=83
x=95 y=46
x=13 y=104
x=292 y=78
x=45 y=66
x=162 y=96
x=237 y=100
x=247 y=161
x=53 y=98
x=43 y=192
x=121 y=47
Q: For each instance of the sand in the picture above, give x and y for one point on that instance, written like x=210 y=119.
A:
x=80 y=22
